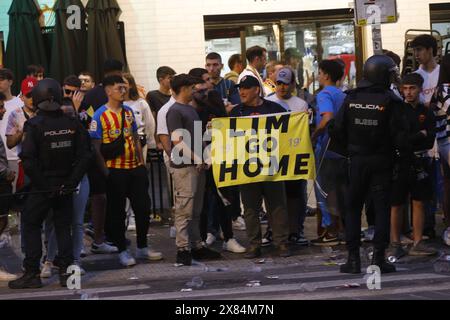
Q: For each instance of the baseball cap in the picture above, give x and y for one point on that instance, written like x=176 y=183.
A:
x=28 y=84
x=285 y=76
x=248 y=82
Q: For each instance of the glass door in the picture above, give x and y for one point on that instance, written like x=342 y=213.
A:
x=266 y=36
x=302 y=39
x=338 y=42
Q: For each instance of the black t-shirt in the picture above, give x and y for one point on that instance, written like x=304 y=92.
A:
x=93 y=100
x=156 y=99
x=267 y=107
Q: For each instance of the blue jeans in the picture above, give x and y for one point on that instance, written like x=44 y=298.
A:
x=80 y=200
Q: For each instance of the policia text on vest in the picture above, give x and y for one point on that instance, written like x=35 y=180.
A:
x=262 y=148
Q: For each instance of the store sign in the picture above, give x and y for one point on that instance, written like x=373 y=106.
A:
x=370 y=12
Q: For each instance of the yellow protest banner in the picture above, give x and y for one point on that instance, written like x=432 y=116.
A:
x=264 y=148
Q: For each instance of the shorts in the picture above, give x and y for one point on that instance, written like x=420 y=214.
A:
x=406 y=183
x=97 y=181
x=5 y=201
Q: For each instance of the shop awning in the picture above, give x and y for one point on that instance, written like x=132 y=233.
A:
x=69 y=40
x=103 y=35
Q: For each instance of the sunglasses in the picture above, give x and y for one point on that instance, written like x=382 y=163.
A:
x=68 y=91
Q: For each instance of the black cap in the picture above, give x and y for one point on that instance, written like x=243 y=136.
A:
x=248 y=82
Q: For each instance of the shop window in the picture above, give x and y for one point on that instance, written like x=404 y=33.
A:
x=440 y=21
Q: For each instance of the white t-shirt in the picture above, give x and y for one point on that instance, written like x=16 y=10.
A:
x=293 y=104
x=144 y=120
x=162 y=117
x=430 y=83
x=250 y=71
x=15 y=124
x=10 y=106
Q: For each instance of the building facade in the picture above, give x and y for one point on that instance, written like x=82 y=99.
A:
x=179 y=33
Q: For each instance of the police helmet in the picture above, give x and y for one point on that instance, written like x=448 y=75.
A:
x=379 y=69
x=47 y=95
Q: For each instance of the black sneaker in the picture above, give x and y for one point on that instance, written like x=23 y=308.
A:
x=326 y=240
x=27 y=281
x=184 y=257
x=298 y=239
x=205 y=253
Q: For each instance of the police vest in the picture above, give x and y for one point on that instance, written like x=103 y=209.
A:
x=368 y=121
x=56 y=139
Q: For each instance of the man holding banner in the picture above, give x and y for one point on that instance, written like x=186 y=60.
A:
x=258 y=149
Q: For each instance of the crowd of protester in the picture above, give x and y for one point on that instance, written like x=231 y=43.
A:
x=117 y=186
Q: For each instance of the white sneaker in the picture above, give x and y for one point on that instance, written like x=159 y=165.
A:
x=46 y=271
x=148 y=254
x=210 y=239
x=6 y=276
x=233 y=246
x=131 y=223
x=126 y=259
x=103 y=248
x=239 y=224
x=446 y=237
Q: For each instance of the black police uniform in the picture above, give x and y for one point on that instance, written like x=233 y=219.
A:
x=55 y=155
x=372 y=125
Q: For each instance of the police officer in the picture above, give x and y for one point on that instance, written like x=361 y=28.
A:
x=55 y=155
x=372 y=127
